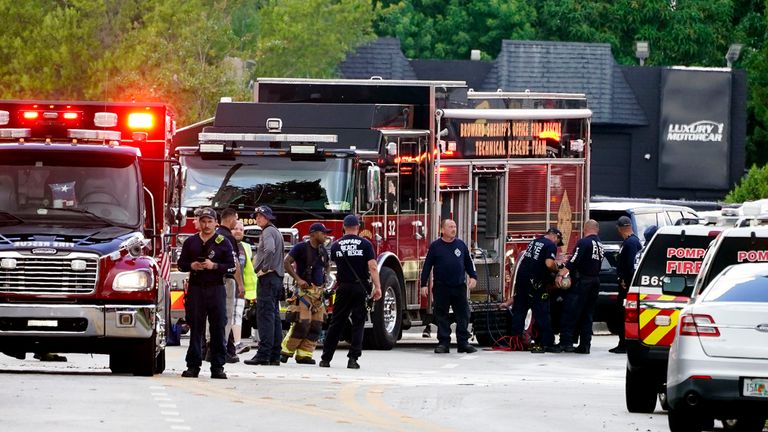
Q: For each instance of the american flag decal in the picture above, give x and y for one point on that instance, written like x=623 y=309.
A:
x=165 y=268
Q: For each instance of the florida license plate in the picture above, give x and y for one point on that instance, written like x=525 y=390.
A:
x=756 y=387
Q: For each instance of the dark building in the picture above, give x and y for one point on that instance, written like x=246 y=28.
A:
x=646 y=123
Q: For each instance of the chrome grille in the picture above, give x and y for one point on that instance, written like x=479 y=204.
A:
x=49 y=275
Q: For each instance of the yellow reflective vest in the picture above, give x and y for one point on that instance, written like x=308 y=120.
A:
x=249 y=275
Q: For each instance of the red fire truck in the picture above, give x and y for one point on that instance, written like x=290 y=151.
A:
x=82 y=197
x=403 y=154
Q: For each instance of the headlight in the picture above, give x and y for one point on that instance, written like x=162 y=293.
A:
x=137 y=280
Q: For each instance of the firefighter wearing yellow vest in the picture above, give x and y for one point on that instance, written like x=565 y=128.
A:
x=245 y=254
x=306 y=309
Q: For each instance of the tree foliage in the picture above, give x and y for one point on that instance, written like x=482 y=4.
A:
x=752 y=187
x=186 y=53
x=450 y=29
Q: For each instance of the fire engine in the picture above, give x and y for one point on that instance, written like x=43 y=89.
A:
x=403 y=155
x=82 y=197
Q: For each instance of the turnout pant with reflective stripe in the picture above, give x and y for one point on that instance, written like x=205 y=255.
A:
x=303 y=334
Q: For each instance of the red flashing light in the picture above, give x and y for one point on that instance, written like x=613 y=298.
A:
x=31 y=115
x=71 y=116
x=701 y=377
x=140 y=121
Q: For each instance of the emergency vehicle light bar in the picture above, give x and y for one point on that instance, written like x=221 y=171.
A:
x=5 y=117
x=217 y=136
x=88 y=134
x=515 y=114
x=15 y=133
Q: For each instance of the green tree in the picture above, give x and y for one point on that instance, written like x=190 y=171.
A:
x=309 y=38
x=752 y=187
x=450 y=29
x=686 y=32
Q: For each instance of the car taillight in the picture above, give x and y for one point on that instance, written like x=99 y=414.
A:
x=631 y=317
x=698 y=325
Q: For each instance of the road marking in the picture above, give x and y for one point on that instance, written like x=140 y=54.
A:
x=375 y=397
x=179 y=427
x=468 y=357
x=450 y=365
x=174 y=420
x=157 y=387
x=162 y=399
x=160 y=394
x=169 y=413
x=167 y=405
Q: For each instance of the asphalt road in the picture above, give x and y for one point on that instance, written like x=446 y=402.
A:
x=409 y=388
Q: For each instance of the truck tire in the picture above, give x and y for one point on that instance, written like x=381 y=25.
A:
x=387 y=314
x=640 y=393
x=120 y=362
x=145 y=357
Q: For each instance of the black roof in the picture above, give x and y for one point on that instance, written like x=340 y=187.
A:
x=382 y=57
x=538 y=66
x=568 y=67
x=473 y=72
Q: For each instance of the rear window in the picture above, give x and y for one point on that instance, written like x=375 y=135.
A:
x=607 y=220
x=671 y=255
x=737 y=250
x=730 y=289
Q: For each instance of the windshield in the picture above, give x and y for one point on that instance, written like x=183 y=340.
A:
x=671 y=255
x=737 y=250
x=68 y=186
x=250 y=181
x=738 y=286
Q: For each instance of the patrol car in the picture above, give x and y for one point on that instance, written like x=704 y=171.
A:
x=650 y=315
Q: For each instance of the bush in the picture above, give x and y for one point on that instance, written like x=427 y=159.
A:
x=753 y=186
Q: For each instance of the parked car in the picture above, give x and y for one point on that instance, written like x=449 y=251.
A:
x=718 y=365
x=642 y=216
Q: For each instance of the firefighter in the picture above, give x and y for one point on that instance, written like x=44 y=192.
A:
x=233 y=283
x=268 y=265
x=249 y=285
x=356 y=264
x=306 y=310
x=580 y=300
x=625 y=269
x=208 y=257
x=452 y=262
x=537 y=269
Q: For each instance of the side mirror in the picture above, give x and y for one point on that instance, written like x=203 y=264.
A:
x=676 y=286
x=373 y=184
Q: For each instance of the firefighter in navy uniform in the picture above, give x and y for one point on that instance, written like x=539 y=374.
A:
x=625 y=269
x=208 y=257
x=580 y=300
x=537 y=270
x=355 y=263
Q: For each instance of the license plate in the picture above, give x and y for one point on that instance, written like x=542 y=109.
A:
x=42 y=323
x=756 y=387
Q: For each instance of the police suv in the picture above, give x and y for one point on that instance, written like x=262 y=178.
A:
x=651 y=315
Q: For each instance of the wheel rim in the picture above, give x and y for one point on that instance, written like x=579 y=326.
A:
x=390 y=310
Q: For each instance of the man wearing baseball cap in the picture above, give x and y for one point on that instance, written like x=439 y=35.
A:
x=208 y=257
x=268 y=265
x=306 y=310
x=625 y=269
x=356 y=264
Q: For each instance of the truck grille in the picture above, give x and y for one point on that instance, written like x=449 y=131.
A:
x=48 y=275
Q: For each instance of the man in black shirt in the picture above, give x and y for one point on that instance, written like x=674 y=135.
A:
x=307 y=308
x=233 y=283
x=355 y=264
x=208 y=257
x=625 y=269
x=580 y=300
x=452 y=262
x=535 y=272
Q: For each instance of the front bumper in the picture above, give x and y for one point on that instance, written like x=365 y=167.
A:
x=77 y=320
